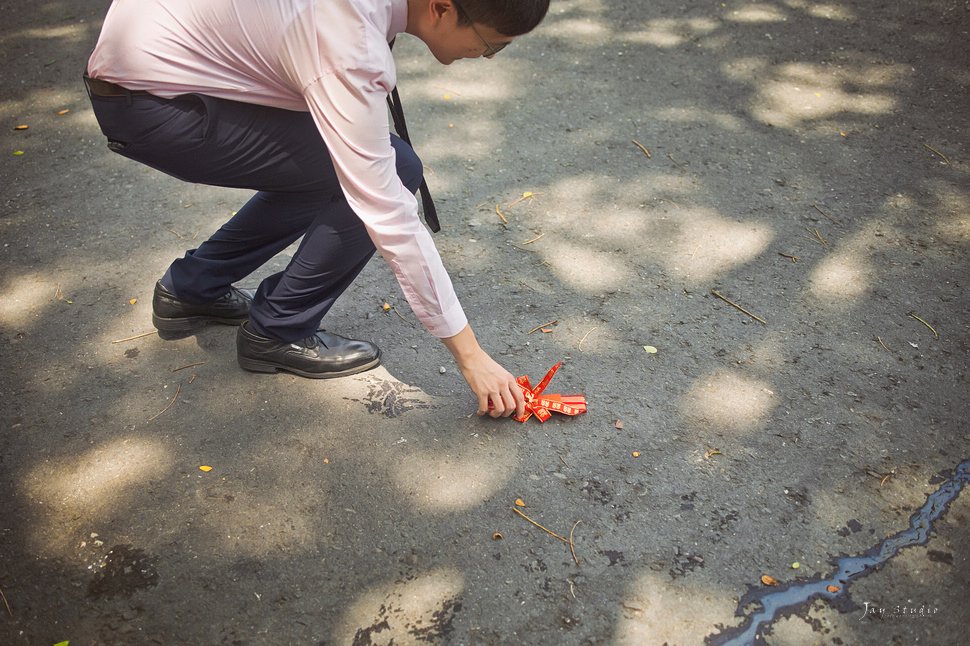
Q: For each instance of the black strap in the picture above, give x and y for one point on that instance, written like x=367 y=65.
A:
x=397 y=115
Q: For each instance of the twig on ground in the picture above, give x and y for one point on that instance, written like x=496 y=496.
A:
x=818 y=236
x=548 y=531
x=533 y=240
x=501 y=215
x=676 y=163
x=137 y=336
x=883 y=345
x=5 y=604
x=191 y=365
x=177 y=391
x=572 y=546
x=830 y=218
x=539 y=327
x=935 y=333
x=738 y=307
x=937 y=152
x=584 y=337
x=402 y=317
x=643 y=148
x=528 y=195
x=794 y=259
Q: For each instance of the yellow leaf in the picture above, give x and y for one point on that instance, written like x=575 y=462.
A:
x=635 y=454
x=768 y=579
x=18 y=153
x=497 y=536
x=650 y=349
x=206 y=468
x=527 y=194
x=386 y=307
x=519 y=502
x=22 y=126
x=796 y=565
x=326 y=460
x=132 y=301
x=61 y=113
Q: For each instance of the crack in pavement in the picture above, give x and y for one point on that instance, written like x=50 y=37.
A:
x=789 y=597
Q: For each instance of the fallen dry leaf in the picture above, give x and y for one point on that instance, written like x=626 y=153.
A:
x=18 y=153
x=326 y=460
x=635 y=454
x=519 y=502
x=22 y=126
x=206 y=468
x=132 y=301
x=768 y=579
x=832 y=588
x=497 y=536
x=386 y=307
x=618 y=424
x=61 y=113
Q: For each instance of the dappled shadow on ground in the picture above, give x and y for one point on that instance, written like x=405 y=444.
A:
x=806 y=160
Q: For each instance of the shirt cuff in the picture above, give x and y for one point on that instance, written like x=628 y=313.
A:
x=446 y=324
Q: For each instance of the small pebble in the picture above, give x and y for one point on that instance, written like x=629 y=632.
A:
x=442 y=370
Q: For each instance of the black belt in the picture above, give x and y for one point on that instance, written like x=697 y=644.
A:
x=106 y=89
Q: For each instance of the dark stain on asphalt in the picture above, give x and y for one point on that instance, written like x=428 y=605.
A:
x=684 y=562
x=363 y=635
x=125 y=570
x=390 y=398
x=614 y=556
x=788 y=598
x=940 y=557
x=437 y=629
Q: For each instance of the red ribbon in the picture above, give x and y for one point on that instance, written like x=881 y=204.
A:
x=540 y=405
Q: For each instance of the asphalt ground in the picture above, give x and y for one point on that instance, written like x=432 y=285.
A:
x=805 y=161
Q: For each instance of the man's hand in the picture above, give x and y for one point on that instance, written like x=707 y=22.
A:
x=487 y=379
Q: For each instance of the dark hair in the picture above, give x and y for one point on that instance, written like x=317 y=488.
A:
x=507 y=17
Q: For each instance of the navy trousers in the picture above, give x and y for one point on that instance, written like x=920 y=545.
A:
x=278 y=153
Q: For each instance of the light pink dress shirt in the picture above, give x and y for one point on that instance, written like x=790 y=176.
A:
x=328 y=57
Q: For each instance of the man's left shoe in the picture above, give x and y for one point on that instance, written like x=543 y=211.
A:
x=173 y=318
x=321 y=356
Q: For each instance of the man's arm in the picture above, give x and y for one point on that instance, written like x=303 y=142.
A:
x=487 y=379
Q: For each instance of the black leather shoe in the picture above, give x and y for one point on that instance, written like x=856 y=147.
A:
x=321 y=356
x=174 y=318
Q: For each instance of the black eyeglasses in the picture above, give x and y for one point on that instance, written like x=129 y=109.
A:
x=490 y=50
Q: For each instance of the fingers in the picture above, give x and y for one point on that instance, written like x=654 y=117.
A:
x=519 y=397
x=483 y=402
x=505 y=405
